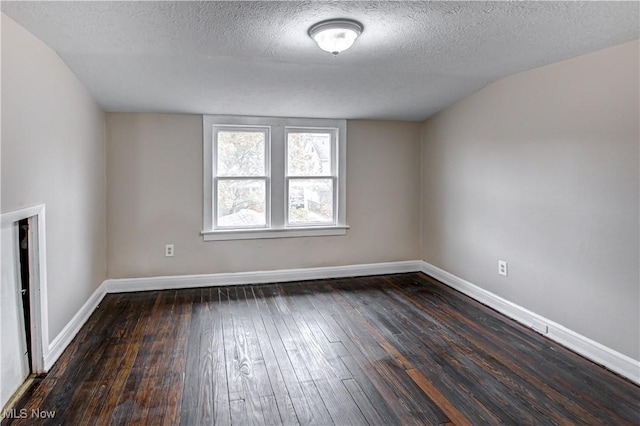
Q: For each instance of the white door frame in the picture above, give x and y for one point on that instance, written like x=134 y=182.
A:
x=37 y=281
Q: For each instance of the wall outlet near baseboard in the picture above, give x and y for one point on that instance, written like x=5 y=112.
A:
x=168 y=250
x=539 y=326
x=502 y=267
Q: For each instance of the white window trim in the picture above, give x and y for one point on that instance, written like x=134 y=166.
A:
x=277 y=180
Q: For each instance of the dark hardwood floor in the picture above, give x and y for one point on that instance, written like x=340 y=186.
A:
x=385 y=350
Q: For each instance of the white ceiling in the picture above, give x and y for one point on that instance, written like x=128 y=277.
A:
x=255 y=58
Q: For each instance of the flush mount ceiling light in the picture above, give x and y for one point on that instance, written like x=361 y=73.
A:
x=335 y=35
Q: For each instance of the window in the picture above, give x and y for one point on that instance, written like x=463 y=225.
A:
x=240 y=177
x=273 y=177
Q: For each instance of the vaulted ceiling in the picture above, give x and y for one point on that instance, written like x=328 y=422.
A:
x=255 y=58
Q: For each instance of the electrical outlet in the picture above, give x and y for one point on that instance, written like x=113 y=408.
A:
x=502 y=267
x=539 y=326
x=168 y=250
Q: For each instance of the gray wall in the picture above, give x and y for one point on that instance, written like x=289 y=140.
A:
x=154 y=169
x=53 y=152
x=541 y=169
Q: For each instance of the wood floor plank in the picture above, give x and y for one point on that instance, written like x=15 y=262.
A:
x=213 y=397
x=331 y=344
x=318 y=413
x=362 y=401
x=298 y=398
x=243 y=372
x=173 y=383
x=317 y=347
x=91 y=352
x=325 y=369
x=104 y=403
x=366 y=361
x=215 y=356
x=464 y=368
x=270 y=411
x=382 y=350
x=543 y=397
x=198 y=377
x=449 y=409
x=557 y=361
x=385 y=401
x=281 y=395
x=423 y=408
x=128 y=409
x=157 y=340
x=238 y=412
x=35 y=398
x=466 y=380
x=260 y=382
x=205 y=397
x=123 y=411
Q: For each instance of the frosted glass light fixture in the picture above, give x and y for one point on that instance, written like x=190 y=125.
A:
x=335 y=35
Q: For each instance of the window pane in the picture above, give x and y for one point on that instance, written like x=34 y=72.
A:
x=309 y=154
x=310 y=201
x=241 y=153
x=241 y=203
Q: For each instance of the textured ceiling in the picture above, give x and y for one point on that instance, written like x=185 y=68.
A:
x=255 y=58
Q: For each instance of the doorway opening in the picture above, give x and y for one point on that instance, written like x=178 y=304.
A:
x=25 y=286
x=24 y=300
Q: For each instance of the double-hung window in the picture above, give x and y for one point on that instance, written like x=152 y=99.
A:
x=273 y=177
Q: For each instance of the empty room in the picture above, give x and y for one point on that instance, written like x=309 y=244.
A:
x=327 y=213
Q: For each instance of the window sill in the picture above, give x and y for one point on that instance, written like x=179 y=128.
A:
x=255 y=234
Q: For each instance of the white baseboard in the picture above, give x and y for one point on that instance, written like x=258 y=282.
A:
x=613 y=360
x=64 y=338
x=259 y=277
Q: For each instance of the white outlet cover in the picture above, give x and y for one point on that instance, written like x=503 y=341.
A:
x=503 y=267
x=539 y=326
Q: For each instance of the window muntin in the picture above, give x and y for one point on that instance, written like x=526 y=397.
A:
x=298 y=168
